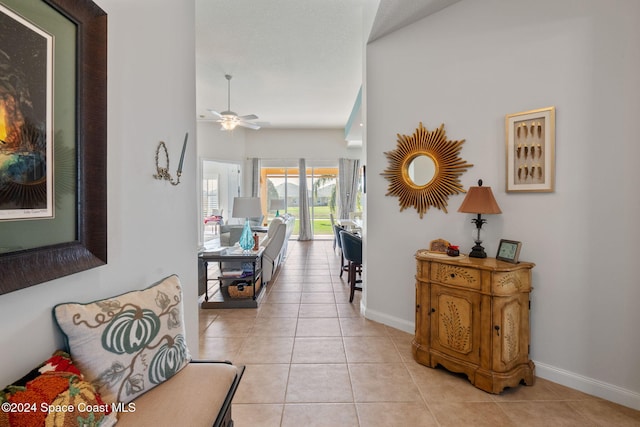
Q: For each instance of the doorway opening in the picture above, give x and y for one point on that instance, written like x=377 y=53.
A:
x=220 y=184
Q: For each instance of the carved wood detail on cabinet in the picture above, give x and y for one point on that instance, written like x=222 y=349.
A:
x=472 y=316
x=455 y=322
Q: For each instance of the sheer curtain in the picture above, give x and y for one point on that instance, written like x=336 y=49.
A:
x=306 y=230
x=255 y=177
x=348 y=186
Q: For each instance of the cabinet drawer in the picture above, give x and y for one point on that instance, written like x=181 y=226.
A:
x=510 y=282
x=455 y=275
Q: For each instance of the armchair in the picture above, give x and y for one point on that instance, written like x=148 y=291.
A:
x=230 y=233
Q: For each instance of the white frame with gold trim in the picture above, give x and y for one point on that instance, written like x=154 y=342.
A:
x=530 y=140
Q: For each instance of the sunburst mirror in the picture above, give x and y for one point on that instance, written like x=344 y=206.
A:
x=424 y=169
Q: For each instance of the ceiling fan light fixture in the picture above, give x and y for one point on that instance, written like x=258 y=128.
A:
x=228 y=119
x=228 y=125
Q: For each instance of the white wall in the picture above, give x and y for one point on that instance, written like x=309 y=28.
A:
x=469 y=65
x=215 y=144
x=318 y=144
x=269 y=143
x=151 y=98
x=281 y=145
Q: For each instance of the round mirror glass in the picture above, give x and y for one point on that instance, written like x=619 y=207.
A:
x=421 y=170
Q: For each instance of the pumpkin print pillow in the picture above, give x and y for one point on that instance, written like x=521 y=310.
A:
x=128 y=344
x=54 y=394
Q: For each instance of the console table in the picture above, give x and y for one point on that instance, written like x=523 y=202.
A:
x=233 y=258
x=472 y=317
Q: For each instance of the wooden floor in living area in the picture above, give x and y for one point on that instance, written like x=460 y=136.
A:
x=313 y=360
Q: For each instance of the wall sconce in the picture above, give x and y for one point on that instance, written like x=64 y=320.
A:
x=163 y=173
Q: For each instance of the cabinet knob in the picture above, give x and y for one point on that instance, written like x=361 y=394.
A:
x=433 y=310
x=497 y=328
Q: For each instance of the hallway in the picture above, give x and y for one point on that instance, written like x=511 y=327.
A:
x=313 y=360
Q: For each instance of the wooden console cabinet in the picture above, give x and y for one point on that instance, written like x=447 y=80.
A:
x=472 y=317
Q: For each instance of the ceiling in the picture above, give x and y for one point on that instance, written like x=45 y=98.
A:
x=295 y=63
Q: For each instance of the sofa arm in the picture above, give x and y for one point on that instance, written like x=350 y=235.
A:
x=269 y=267
x=200 y=394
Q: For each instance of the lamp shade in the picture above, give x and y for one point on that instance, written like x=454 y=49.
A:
x=276 y=204
x=479 y=200
x=246 y=207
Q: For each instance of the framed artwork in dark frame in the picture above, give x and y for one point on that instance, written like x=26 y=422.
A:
x=87 y=248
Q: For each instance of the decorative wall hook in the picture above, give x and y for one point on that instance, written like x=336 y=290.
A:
x=163 y=172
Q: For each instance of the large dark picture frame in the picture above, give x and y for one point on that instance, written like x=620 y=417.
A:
x=21 y=269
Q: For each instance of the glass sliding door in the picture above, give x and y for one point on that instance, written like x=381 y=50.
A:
x=282 y=188
x=323 y=184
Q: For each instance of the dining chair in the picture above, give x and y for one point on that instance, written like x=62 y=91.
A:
x=336 y=231
x=352 y=250
x=215 y=220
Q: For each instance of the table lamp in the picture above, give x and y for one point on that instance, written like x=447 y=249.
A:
x=246 y=207
x=276 y=204
x=479 y=200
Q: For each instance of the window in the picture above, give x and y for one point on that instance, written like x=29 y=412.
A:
x=210 y=202
x=220 y=184
x=282 y=183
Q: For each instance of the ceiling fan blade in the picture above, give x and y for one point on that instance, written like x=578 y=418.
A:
x=215 y=113
x=249 y=125
x=248 y=117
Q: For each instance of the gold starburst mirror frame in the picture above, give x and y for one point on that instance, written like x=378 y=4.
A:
x=425 y=169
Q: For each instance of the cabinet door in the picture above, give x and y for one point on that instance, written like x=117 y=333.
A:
x=455 y=322
x=422 y=333
x=510 y=331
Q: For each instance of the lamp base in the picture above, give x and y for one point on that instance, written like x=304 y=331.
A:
x=477 y=252
x=246 y=238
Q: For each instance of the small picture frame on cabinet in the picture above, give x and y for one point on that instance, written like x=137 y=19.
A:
x=509 y=251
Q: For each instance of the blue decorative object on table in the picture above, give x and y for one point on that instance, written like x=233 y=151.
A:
x=246 y=207
x=246 y=239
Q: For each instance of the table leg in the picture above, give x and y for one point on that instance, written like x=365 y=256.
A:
x=206 y=281
x=254 y=279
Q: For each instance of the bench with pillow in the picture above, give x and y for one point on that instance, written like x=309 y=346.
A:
x=126 y=361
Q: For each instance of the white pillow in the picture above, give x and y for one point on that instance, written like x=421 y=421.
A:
x=128 y=344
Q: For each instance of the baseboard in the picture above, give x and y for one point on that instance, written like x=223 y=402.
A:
x=610 y=392
x=588 y=385
x=394 y=322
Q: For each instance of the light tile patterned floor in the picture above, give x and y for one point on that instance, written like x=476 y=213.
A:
x=312 y=360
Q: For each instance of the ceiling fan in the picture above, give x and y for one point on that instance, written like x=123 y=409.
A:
x=228 y=119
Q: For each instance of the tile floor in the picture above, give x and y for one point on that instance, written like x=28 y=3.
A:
x=312 y=360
